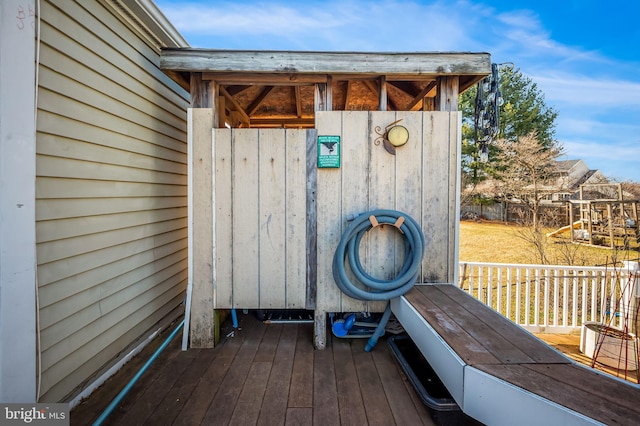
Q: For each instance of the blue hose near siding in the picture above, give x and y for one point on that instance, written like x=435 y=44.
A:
x=114 y=403
x=376 y=289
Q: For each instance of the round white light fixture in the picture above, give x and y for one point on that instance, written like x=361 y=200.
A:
x=398 y=135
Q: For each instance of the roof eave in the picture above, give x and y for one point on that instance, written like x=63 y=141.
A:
x=305 y=62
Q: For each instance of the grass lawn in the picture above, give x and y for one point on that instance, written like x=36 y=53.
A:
x=497 y=242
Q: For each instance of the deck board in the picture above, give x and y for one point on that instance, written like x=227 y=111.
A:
x=248 y=406
x=148 y=403
x=138 y=390
x=466 y=346
x=172 y=404
x=351 y=405
x=301 y=386
x=274 y=403
x=221 y=408
x=196 y=406
x=586 y=400
x=404 y=410
x=502 y=326
x=373 y=395
x=267 y=375
x=325 y=393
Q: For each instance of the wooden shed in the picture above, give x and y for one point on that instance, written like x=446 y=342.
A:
x=266 y=211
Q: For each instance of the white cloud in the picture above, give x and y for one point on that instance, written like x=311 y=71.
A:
x=584 y=90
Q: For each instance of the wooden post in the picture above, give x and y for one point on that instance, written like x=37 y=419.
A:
x=382 y=100
x=201 y=96
x=323 y=96
x=589 y=219
x=312 y=220
x=428 y=103
x=447 y=95
x=571 y=221
x=202 y=322
x=611 y=234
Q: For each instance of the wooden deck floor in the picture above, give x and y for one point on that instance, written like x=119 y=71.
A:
x=569 y=344
x=267 y=375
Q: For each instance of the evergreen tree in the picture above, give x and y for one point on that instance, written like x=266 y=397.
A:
x=523 y=112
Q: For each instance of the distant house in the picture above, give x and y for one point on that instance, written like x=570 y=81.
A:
x=565 y=184
x=571 y=174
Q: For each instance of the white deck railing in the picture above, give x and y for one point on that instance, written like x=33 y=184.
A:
x=552 y=299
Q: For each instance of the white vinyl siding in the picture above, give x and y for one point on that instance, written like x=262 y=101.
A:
x=111 y=189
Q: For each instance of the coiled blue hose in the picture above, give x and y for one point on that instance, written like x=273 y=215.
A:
x=375 y=289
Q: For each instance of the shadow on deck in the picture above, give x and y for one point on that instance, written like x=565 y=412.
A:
x=265 y=374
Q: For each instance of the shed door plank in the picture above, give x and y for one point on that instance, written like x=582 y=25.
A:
x=408 y=172
x=272 y=216
x=355 y=185
x=435 y=197
x=385 y=249
x=295 y=218
x=223 y=273
x=329 y=211
x=246 y=220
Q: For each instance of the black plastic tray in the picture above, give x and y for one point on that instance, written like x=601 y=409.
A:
x=443 y=408
x=431 y=390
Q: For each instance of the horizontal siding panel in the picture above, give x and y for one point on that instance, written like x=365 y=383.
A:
x=72 y=208
x=114 y=276
x=104 y=323
x=139 y=94
x=52 y=126
x=53 y=314
x=72 y=275
x=86 y=113
x=56 y=146
x=61 y=249
x=80 y=367
x=137 y=112
x=75 y=188
x=75 y=169
x=110 y=46
x=69 y=316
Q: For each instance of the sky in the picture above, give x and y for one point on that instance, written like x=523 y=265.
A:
x=583 y=55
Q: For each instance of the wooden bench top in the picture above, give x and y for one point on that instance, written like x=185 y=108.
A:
x=489 y=342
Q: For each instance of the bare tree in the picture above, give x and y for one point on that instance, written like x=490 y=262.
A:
x=526 y=172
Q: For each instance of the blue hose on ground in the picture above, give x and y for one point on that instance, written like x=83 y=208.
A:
x=376 y=289
x=107 y=411
x=234 y=318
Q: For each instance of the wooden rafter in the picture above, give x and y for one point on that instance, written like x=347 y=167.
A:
x=298 y=101
x=244 y=117
x=236 y=89
x=258 y=100
x=420 y=96
x=347 y=96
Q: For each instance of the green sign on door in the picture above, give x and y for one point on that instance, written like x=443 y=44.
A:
x=328 y=151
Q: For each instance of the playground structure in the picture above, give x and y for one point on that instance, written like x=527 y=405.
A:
x=605 y=218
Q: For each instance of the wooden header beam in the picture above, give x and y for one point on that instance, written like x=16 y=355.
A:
x=292 y=62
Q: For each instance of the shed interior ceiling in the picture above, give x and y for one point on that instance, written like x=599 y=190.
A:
x=263 y=103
